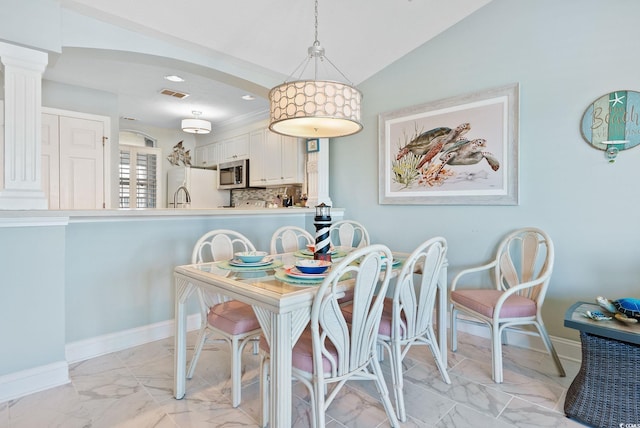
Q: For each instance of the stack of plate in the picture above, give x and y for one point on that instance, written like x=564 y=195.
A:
x=239 y=263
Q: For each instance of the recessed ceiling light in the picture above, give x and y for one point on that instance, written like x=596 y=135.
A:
x=248 y=97
x=128 y=118
x=174 y=78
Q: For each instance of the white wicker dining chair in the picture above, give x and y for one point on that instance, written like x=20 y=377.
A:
x=232 y=321
x=407 y=316
x=288 y=239
x=349 y=234
x=332 y=351
x=521 y=272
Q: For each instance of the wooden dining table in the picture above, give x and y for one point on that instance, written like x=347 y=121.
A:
x=283 y=308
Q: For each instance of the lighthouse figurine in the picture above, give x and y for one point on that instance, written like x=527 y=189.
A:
x=322 y=221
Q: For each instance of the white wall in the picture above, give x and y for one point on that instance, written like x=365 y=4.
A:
x=564 y=54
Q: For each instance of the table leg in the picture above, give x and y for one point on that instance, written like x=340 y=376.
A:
x=280 y=371
x=281 y=330
x=182 y=291
x=442 y=314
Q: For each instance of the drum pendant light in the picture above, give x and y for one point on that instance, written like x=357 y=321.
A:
x=314 y=108
x=196 y=125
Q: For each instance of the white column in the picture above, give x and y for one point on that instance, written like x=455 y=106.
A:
x=21 y=181
x=318 y=175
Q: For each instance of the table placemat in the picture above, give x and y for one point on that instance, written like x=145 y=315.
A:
x=281 y=274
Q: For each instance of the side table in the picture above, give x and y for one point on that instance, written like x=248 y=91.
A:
x=606 y=391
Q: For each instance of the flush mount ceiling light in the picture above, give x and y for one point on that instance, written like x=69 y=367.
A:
x=174 y=78
x=313 y=108
x=195 y=125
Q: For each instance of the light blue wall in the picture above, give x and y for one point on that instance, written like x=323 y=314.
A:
x=119 y=275
x=32 y=297
x=564 y=54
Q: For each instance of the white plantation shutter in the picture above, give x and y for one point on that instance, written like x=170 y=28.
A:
x=139 y=173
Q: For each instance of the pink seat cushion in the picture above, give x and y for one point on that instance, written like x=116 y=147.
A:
x=385 y=321
x=233 y=317
x=484 y=302
x=302 y=352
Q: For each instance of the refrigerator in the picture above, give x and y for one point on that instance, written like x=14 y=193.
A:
x=202 y=187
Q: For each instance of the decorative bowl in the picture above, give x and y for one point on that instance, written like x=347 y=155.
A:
x=251 y=256
x=312 y=266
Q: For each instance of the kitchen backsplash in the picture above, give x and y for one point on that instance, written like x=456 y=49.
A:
x=273 y=195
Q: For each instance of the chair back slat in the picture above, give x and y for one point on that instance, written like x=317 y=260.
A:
x=353 y=343
x=414 y=302
x=213 y=246
x=525 y=256
x=288 y=239
x=349 y=233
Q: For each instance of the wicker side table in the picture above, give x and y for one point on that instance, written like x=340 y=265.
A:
x=606 y=391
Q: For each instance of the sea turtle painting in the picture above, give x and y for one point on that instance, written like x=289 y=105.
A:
x=423 y=159
x=421 y=144
x=465 y=152
x=443 y=141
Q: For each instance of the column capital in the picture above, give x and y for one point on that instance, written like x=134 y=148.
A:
x=25 y=58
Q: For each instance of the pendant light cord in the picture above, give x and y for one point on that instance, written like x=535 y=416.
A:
x=317 y=53
x=316 y=42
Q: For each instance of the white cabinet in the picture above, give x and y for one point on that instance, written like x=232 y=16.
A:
x=213 y=154
x=235 y=148
x=208 y=155
x=292 y=160
x=256 y=161
x=201 y=158
x=275 y=159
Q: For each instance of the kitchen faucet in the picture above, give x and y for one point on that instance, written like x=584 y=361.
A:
x=186 y=194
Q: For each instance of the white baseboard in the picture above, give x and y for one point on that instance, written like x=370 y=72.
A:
x=113 y=342
x=19 y=384
x=566 y=348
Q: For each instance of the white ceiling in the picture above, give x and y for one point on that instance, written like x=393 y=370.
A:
x=270 y=38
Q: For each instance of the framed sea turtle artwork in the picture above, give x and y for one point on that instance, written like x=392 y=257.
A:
x=455 y=151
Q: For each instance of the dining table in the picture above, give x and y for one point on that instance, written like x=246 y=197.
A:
x=282 y=304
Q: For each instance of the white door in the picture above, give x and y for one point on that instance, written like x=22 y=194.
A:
x=81 y=163
x=51 y=159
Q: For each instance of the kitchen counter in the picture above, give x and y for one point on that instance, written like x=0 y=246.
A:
x=10 y=218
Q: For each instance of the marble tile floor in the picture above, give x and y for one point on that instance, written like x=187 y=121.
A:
x=133 y=388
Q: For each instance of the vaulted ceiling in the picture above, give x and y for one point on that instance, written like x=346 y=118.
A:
x=253 y=44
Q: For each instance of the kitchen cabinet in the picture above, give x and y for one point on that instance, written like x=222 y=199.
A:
x=293 y=160
x=200 y=156
x=257 y=150
x=275 y=159
x=207 y=155
x=235 y=148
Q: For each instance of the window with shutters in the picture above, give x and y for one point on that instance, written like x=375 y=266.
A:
x=139 y=173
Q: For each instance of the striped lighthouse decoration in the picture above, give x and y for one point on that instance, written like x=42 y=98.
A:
x=322 y=221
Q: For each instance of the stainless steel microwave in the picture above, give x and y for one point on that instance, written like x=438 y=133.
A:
x=233 y=175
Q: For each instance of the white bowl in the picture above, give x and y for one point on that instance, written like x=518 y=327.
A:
x=251 y=256
x=312 y=266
